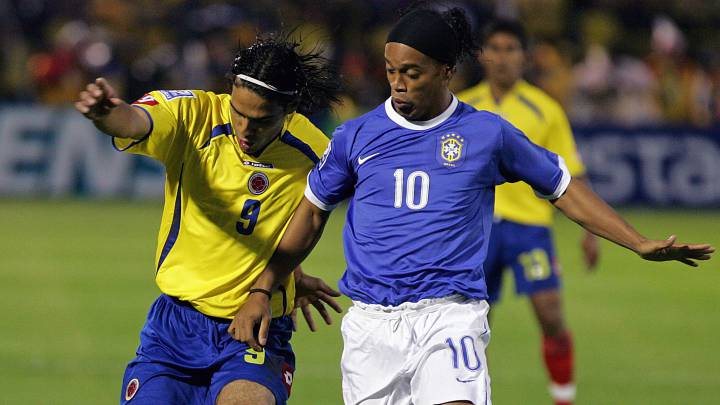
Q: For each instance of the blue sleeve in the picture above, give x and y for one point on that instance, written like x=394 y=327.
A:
x=332 y=180
x=522 y=160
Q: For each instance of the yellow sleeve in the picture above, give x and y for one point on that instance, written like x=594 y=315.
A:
x=162 y=141
x=560 y=140
x=309 y=133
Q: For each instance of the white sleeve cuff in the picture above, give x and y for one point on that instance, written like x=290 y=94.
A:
x=316 y=201
x=562 y=186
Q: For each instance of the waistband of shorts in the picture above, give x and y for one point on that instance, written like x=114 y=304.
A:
x=421 y=305
x=188 y=307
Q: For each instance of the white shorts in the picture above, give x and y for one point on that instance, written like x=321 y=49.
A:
x=423 y=353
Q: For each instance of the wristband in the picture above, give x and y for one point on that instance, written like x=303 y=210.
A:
x=261 y=290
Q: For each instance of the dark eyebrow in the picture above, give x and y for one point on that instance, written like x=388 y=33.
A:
x=407 y=66
x=265 y=118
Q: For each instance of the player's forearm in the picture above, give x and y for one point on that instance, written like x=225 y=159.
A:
x=302 y=235
x=586 y=181
x=124 y=121
x=582 y=205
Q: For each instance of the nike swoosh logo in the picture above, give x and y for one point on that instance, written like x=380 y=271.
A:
x=362 y=160
x=466 y=381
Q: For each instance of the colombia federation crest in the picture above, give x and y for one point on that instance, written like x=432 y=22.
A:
x=451 y=150
x=258 y=183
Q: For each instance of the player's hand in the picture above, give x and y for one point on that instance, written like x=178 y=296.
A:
x=255 y=311
x=313 y=291
x=591 y=250
x=668 y=249
x=97 y=100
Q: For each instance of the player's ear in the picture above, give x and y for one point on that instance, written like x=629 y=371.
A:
x=448 y=72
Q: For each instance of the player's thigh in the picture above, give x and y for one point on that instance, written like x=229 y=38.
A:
x=534 y=262
x=454 y=367
x=260 y=373
x=375 y=351
x=244 y=392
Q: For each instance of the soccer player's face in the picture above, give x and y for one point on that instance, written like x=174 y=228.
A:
x=418 y=83
x=503 y=59
x=255 y=120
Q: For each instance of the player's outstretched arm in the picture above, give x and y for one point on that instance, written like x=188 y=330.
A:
x=582 y=205
x=100 y=103
x=299 y=239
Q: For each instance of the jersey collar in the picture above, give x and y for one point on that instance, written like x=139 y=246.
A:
x=516 y=88
x=420 y=125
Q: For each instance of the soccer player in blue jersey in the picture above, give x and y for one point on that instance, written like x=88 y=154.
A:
x=420 y=172
x=236 y=170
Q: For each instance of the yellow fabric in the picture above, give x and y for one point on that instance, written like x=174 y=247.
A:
x=542 y=119
x=211 y=263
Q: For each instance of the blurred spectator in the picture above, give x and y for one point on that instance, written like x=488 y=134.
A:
x=685 y=89
x=628 y=69
x=552 y=70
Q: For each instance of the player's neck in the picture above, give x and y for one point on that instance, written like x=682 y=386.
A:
x=500 y=90
x=439 y=108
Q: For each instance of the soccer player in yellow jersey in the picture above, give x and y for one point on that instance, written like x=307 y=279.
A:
x=521 y=236
x=236 y=170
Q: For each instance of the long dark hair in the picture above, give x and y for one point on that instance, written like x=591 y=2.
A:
x=306 y=82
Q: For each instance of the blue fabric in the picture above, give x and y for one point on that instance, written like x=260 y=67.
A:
x=508 y=242
x=186 y=357
x=405 y=253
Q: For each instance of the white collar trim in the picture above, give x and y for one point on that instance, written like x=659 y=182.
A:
x=420 y=125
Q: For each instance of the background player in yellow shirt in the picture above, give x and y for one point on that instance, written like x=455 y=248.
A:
x=236 y=170
x=521 y=236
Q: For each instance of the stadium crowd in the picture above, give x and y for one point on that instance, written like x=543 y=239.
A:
x=606 y=61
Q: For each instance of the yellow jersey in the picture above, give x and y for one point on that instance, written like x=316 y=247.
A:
x=543 y=121
x=225 y=211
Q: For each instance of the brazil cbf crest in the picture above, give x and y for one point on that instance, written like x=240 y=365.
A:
x=451 y=150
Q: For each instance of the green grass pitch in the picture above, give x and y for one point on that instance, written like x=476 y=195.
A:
x=76 y=280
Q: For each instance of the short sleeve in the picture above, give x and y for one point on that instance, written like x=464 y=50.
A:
x=522 y=160
x=332 y=179
x=560 y=140
x=158 y=142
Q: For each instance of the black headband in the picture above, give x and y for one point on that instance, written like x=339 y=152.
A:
x=427 y=32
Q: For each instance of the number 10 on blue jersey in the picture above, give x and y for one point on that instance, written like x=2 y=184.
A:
x=410 y=199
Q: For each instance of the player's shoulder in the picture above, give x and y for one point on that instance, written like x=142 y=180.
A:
x=302 y=129
x=468 y=113
x=538 y=98
x=374 y=119
x=488 y=125
x=179 y=100
x=475 y=94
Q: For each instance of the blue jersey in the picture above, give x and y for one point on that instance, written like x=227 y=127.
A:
x=421 y=198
